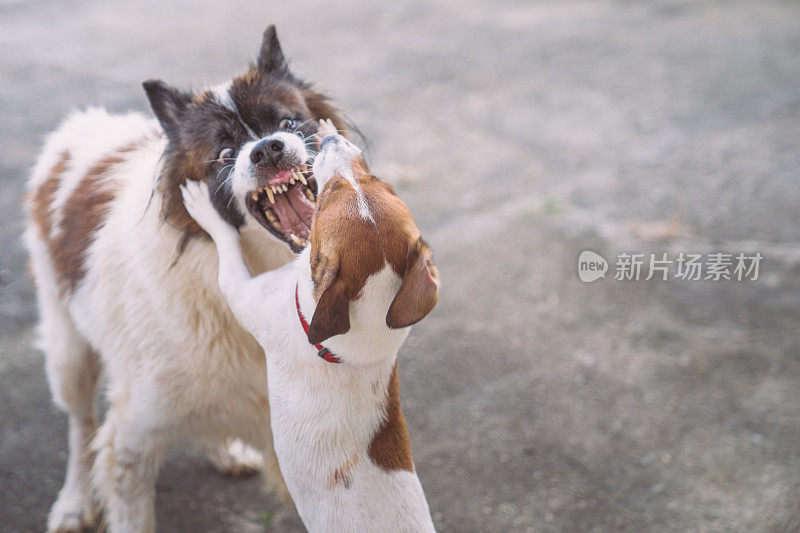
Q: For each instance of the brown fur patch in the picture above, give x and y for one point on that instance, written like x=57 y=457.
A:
x=390 y=448
x=84 y=213
x=40 y=201
x=179 y=170
x=341 y=476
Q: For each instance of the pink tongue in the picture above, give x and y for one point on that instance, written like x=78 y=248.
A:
x=301 y=205
x=292 y=209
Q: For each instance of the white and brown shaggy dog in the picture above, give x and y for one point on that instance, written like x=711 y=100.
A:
x=127 y=281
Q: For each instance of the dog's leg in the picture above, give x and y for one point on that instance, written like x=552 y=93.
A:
x=125 y=471
x=73 y=381
x=72 y=370
x=273 y=478
x=243 y=293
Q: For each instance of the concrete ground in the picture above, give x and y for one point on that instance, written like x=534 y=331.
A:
x=520 y=133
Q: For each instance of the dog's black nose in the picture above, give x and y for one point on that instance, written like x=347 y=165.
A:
x=327 y=140
x=267 y=151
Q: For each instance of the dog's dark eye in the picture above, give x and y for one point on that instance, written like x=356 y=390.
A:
x=225 y=154
x=288 y=124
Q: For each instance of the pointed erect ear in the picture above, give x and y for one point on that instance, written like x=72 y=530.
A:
x=419 y=291
x=168 y=103
x=270 y=58
x=332 y=315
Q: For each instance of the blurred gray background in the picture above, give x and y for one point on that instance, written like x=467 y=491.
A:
x=519 y=133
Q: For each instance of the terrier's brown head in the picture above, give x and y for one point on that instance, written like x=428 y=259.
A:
x=361 y=226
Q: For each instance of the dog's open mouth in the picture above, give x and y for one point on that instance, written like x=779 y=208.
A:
x=285 y=205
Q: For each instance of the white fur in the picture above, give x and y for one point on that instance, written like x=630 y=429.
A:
x=324 y=415
x=222 y=95
x=178 y=365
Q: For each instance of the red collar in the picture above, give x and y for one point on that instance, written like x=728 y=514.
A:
x=323 y=351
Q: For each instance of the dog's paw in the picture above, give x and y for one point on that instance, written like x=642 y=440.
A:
x=325 y=129
x=236 y=459
x=71 y=513
x=197 y=200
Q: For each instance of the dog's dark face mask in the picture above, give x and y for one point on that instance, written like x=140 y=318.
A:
x=207 y=129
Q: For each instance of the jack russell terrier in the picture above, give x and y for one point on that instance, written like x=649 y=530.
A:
x=331 y=324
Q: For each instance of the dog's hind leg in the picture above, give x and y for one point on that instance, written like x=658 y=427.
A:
x=73 y=370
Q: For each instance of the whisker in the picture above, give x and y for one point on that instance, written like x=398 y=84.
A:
x=302 y=124
x=224 y=168
x=220 y=186
x=228 y=177
x=218 y=161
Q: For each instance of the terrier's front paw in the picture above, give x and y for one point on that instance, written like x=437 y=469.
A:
x=197 y=200
x=325 y=129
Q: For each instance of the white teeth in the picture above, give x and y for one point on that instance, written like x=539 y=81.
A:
x=296 y=239
x=273 y=190
x=310 y=195
x=254 y=196
x=270 y=216
x=300 y=177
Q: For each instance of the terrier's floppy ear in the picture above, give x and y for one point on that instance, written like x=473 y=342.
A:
x=168 y=103
x=332 y=315
x=270 y=58
x=419 y=291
